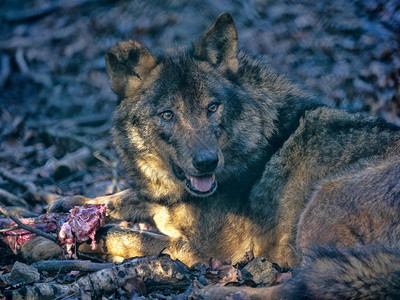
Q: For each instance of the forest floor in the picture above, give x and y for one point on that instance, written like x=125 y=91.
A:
x=56 y=104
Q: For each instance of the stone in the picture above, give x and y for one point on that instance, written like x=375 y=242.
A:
x=261 y=269
x=22 y=273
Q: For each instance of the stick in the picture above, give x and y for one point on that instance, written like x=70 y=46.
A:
x=19 y=58
x=93 y=120
x=29 y=186
x=9 y=229
x=5 y=212
x=82 y=255
x=5 y=69
x=70 y=265
x=26 y=150
x=11 y=199
x=36 y=14
x=82 y=141
x=69 y=164
x=113 y=165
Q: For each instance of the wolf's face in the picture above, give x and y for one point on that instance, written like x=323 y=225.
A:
x=174 y=125
x=188 y=118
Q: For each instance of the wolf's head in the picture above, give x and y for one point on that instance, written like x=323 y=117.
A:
x=184 y=122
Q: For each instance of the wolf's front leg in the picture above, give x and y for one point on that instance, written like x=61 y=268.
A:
x=115 y=243
x=120 y=206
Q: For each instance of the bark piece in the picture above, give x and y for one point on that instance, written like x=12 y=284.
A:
x=157 y=272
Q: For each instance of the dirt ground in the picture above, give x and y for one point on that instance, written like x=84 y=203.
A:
x=55 y=97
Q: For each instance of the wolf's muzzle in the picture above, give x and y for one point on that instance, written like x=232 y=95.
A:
x=205 y=161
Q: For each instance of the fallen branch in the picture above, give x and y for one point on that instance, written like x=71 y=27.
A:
x=58 y=134
x=70 y=265
x=38 y=13
x=157 y=272
x=70 y=163
x=92 y=120
x=30 y=187
x=21 y=153
x=10 y=199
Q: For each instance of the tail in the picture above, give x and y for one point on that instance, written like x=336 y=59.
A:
x=366 y=272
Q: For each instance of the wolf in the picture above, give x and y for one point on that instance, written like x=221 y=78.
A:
x=227 y=155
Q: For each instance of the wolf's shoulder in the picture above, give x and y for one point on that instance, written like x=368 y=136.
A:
x=328 y=131
x=325 y=117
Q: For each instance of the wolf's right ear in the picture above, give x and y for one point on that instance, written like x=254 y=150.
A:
x=128 y=63
x=218 y=44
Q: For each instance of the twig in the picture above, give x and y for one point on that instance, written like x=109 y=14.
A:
x=80 y=140
x=40 y=78
x=5 y=70
x=11 y=199
x=5 y=212
x=94 y=130
x=31 y=15
x=93 y=120
x=29 y=186
x=89 y=257
x=10 y=229
x=113 y=164
x=19 y=58
x=70 y=163
x=70 y=265
x=21 y=153
x=36 y=14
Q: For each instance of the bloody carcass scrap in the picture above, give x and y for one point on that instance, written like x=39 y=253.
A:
x=15 y=238
x=77 y=226
x=82 y=224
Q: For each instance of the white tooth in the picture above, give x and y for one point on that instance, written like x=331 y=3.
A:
x=191 y=180
x=213 y=177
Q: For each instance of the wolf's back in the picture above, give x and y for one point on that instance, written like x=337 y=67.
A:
x=365 y=272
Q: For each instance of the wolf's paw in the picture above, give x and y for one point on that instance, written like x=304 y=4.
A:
x=64 y=204
x=40 y=248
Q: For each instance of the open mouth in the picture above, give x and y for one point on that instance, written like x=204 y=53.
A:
x=201 y=186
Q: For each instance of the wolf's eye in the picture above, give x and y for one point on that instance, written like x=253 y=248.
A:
x=167 y=115
x=213 y=107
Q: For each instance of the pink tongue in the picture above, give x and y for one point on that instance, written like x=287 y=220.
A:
x=202 y=184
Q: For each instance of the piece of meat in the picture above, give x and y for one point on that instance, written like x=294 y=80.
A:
x=82 y=225
x=77 y=226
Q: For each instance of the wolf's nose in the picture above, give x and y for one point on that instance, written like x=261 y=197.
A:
x=205 y=161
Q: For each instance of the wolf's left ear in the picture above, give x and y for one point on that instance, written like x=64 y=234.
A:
x=128 y=64
x=219 y=43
